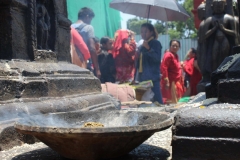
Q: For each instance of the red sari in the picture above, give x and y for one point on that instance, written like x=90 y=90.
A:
x=195 y=75
x=172 y=73
x=124 y=54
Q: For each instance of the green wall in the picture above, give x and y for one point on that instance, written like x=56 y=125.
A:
x=106 y=20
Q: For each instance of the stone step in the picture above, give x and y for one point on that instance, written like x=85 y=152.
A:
x=207 y=132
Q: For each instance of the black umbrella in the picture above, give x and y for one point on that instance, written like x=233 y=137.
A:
x=164 y=10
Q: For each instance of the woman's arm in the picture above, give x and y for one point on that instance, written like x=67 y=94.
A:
x=130 y=48
x=164 y=67
x=188 y=67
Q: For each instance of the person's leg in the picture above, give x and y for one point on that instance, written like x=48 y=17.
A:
x=157 y=93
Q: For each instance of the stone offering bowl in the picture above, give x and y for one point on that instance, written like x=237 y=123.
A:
x=122 y=132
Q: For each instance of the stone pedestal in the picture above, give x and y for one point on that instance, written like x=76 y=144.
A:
x=206 y=133
x=225 y=81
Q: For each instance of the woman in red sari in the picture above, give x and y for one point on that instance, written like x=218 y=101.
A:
x=124 y=49
x=172 y=81
x=192 y=71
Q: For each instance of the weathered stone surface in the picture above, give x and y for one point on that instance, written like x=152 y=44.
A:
x=18 y=30
x=207 y=133
x=227 y=69
x=197 y=122
x=229 y=91
x=9 y=137
x=32 y=80
x=204 y=148
x=198 y=98
x=45 y=56
x=12 y=29
x=211 y=91
x=25 y=107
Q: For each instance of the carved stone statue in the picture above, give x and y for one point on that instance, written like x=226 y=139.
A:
x=201 y=49
x=43 y=25
x=236 y=17
x=220 y=36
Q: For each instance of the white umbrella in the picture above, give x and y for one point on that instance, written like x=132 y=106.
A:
x=164 y=10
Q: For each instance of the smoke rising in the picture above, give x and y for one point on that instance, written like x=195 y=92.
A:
x=77 y=119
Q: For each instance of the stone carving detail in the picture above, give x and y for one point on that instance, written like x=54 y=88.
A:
x=201 y=10
x=43 y=25
x=217 y=35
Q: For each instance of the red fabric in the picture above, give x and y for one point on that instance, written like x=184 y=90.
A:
x=195 y=75
x=120 y=36
x=171 y=69
x=188 y=66
x=78 y=41
x=124 y=54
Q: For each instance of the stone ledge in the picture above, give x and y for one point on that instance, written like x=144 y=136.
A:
x=203 y=148
x=45 y=56
x=208 y=122
x=31 y=79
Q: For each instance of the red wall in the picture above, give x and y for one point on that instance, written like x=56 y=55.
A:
x=196 y=3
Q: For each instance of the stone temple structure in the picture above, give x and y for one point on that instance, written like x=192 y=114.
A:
x=36 y=76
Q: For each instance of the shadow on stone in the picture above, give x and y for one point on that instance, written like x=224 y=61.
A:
x=148 y=152
x=40 y=154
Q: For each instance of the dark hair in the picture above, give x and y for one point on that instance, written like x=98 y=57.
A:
x=151 y=28
x=173 y=41
x=104 y=40
x=85 y=12
x=194 y=50
x=166 y=50
x=96 y=39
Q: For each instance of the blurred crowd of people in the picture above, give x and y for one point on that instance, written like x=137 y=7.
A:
x=122 y=60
